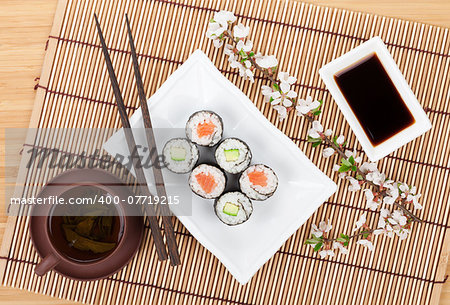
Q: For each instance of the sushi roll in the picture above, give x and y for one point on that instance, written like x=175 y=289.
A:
x=258 y=182
x=180 y=155
x=233 y=208
x=204 y=128
x=207 y=181
x=233 y=155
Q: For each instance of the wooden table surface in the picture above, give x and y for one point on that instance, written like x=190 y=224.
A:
x=24 y=27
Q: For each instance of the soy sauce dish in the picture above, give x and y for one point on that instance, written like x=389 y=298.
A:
x=375 y=98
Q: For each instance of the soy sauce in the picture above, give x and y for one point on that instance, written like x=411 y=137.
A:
x=374 y=99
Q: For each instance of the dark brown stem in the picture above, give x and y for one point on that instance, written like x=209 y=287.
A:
x=328 y=140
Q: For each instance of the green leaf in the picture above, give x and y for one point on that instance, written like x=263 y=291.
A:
x=351 y=160
x=359 y=177
x=318 y=247
x=251 y=54
x=343 y=169
x=276 y=87
x=310 y=241
x=316 y=144
x=344 y=239
x=354 y=168
x=365 y=235
x=271 y=99
x=314 y=140
x=340 y=239
x=346 y=163
x=317 y=112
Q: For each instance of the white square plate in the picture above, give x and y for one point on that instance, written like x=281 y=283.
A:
x=421 y=125
x=243 y=249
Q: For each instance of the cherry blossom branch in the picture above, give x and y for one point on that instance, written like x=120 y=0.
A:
x=284 y=100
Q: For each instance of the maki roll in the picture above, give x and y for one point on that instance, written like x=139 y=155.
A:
x=233 y=155
x=258 y=182
x=233 y=208
x=180 y=155
x=207 y=181
x=204 y=128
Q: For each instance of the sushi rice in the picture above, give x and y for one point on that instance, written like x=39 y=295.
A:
x=258 y=182
x=233 y=208
x=204 y=128
x=233 y=155
x=207 y=181
x=180 y=155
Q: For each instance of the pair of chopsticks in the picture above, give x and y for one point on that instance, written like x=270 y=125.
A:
x=160 y=188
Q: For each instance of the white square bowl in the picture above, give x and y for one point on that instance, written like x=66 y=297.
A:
x=421 y=125
x=243 y=249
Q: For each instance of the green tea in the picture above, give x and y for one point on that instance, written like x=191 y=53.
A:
x=87 y=232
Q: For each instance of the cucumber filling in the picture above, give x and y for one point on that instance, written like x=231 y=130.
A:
x=178 y=154
x=231 y=209
x=231 y=155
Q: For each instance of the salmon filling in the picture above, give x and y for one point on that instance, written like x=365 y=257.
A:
x=205 y=129
x=258 y=178
x=206 y=182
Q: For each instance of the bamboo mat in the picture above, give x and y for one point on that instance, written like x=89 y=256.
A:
x=74 y=91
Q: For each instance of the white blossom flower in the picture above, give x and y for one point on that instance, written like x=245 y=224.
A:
x=328 y=132
x=323 y=228
x=376 y=177
x=214 y=31
x=267 y=92
x=387 y=231
x=409 y=194
x=342 y=249
x=284 y=77
x=392 y=194
x=368 y=167
x=384 y=214
x=397 y=217
x=353 y=154
x=328 y=152
x=360 y=222
x=404 y=188
x=306 y=105
x=224 y=18
x=244 y=46
x=340 y=140
x=354 y=184
x=403 y=233
x=366 y=243
x=383 y=226
x=316 y=128
x=325 y=253
x=241 y=31
x=282 y=112
x=371 y=203
x=217 y=43
x=228 y=50
x=284 y=96
x=415 y=201
x=266 y=62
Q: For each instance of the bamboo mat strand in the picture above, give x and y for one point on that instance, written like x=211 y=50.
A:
x=74 y=92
